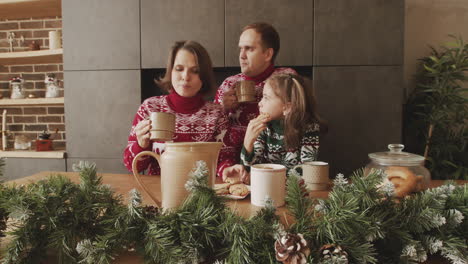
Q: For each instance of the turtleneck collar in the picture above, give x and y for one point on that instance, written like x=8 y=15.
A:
x=277 y=125
x=185 y=105
x=262 y=76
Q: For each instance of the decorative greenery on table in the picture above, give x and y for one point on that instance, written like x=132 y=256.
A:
x=359 y=223
x=436 y=113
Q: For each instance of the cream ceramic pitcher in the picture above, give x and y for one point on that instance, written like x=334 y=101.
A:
x=176 y=163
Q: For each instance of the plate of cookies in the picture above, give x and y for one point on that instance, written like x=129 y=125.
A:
x=232 y=189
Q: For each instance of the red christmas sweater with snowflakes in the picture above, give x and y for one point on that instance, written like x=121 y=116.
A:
x=241 y=116
x=206 y=123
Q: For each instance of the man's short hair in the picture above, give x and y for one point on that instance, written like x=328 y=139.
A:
x=269 y=35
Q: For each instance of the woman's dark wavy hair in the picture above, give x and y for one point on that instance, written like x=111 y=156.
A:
x=295 y=90
x=204 y=65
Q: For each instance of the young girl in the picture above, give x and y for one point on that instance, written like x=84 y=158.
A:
x=287 y=130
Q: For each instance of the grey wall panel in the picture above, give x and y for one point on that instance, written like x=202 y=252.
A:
x=16 y=168
x=164 y=22
x=101 y=34
x=102 y=165
x=363 y=106
x=99 y=110
x=292 y=19
x=359 y=32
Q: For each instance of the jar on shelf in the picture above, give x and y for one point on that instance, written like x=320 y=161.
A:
x=405 y=170
x=16 y=88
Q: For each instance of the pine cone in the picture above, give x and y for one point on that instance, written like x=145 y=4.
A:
x=150 y=211
x=292 y=248
x=332 y=253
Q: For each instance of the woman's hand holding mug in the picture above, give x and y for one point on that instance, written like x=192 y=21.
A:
x=142 y=130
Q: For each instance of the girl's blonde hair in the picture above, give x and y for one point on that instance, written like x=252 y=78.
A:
x=294 y=89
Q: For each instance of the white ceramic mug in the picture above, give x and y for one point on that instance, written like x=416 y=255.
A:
x=315 y=175
x=267 y=181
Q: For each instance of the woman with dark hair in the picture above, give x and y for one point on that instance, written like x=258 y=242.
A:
x=189 y=76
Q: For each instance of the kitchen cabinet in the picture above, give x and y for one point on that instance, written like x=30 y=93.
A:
x=99 y=113
x=363 y=107
x=101 y=35
x=164 y=22
x=364 y=32
x=292 y=19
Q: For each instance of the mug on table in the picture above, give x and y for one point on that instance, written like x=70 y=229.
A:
x=315 y=175
x=267 y=181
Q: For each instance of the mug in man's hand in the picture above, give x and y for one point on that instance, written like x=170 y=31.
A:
x=245 y=91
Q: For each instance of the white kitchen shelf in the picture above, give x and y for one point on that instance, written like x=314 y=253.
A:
x=53 y=154
x=32 y=101
x=14 y=9
x=31 y=57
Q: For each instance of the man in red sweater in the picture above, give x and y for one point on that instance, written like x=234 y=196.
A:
x=259 y=44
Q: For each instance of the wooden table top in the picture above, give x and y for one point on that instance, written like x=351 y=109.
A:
x=123 y=183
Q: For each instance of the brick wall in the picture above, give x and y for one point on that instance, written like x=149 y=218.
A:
x=30 y=120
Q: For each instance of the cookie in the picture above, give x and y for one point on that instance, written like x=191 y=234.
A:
x=222 y=188
x=239 y=189
x=222 y=191
x=405 y=180
x=232 y=180
x=263 y=116
x=219 y=186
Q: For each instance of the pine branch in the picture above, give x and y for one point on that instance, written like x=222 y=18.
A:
x=299 y=205
x=61 y=213
x=237 y=236
x=161 y=242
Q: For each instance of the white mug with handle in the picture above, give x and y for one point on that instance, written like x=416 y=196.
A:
x=315 y=174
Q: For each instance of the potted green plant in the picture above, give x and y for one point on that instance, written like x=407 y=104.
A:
x=436 y=112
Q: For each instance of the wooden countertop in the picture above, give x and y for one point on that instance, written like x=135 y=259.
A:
x=123 y=183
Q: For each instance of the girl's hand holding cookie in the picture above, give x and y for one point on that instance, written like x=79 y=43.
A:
x=235 y=172
x=255 y=127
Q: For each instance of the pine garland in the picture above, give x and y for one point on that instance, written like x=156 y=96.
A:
x=360 y=222
x=3 y=195
x=55 y=214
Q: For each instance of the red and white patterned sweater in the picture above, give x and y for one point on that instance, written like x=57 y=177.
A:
x=208 y=124
x=241 y=116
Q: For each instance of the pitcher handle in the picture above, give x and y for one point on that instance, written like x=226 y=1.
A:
x=297 y=166
x=137 y=175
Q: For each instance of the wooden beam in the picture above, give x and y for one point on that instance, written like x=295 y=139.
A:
x=16 y=9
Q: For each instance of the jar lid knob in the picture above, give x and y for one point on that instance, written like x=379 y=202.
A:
x=396 y=148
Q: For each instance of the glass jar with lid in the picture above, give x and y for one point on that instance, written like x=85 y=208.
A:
x=405 y=170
